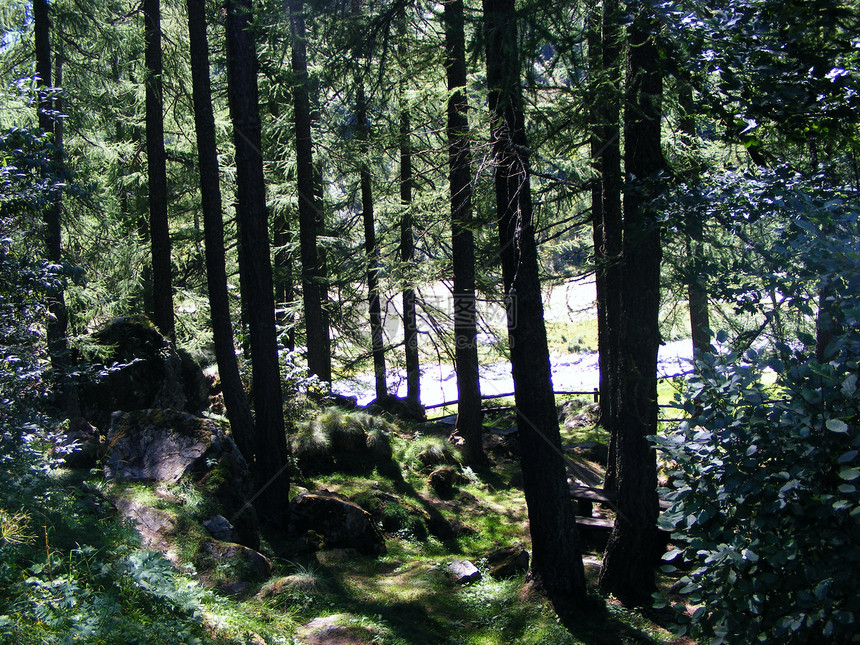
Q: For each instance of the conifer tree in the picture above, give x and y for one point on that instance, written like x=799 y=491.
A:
x=271 y=449
x=556 y=561
x=159 y=229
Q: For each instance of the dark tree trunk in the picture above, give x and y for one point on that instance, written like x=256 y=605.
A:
x=159 y=229
x=407 y=241
x=628 y=564
x=556 y=563
x=271 y=448
x=313 y=269
x=238 y=410
x=605 y=74
x=697 y=288
x=469 y=425
x=371 y=252
x=58 y=320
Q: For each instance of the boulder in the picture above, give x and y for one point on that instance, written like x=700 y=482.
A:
x=508 y=562
x=405 y=408
x=230 y=567
x=443 y=480
x=339 y=521
x=220 y=528
x=82 y=445
x=138 y=369
x=157 y=444
x=154 y=526
x=463 y=572
x=165 y=445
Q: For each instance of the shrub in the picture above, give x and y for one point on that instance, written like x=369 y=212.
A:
x=767 y=507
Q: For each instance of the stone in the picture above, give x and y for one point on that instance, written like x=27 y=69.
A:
x=166 y=445
x=248 y=564
x=138 y=369
x=463 y=572
x=219 y=527
x=156 y=445
x=405 y=408
x=154 y=526
x=507 y=562
x=340 y=522
x=82 y=445
x=443 y=480
x=330 y=630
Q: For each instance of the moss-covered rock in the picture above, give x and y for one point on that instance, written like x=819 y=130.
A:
x=132 y=367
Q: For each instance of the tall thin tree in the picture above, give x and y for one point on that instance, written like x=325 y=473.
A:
x=628 y=563
x=47 y=111
x=469 y=424
x=159 y=227
x=313 y=269
x=238 y=410
x=605 y=55
x=271 y=448
x=371 y=251
x=556 y=563
x=407 y=235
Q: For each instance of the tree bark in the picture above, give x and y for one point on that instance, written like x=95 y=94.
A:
x=271 y=449
x=313 y=269
x=238 y=409
x=556 y=563
x=58 y=319
x=371 y=252
x=606 y=203
x=159 y=228
x=469 y=424
x=697 y=287
x=628 y=564
x=407 y=240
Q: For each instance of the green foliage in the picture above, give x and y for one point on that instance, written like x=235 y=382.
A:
x=343 y=441
x=767 y=504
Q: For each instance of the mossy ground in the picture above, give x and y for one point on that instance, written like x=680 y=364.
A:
x=402 y=597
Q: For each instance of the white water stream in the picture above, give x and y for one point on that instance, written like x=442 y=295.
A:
x=570 y=372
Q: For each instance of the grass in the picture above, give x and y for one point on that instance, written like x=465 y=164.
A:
x=96 y=571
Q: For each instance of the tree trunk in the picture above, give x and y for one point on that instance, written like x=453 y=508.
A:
x=271 y=448
x=697 y=288
x=159 y=229
x=58 y=319
x=556 y=563
x=370 y=250
x=606 y=204
x=628 y=564
x=407 y=241
x=238 y=410
x=313 y=271
x=469 y=425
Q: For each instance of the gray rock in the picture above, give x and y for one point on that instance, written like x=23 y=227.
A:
x=220 y=528
x=250 y=565
x=157 y=445
x=140 y=370
x=443 y=480
x=405 y=408
x=463 y=572
x=340 y=522
x=153 y=525
x=508 y=562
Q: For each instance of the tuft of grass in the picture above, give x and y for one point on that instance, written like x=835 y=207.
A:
x=425 y=452
x=339 y=440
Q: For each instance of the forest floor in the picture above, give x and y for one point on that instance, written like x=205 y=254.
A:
x=406 y=596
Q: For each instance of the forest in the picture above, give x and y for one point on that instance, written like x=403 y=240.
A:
x=348 y=322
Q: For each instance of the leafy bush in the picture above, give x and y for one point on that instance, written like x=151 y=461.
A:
x=766 y=478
